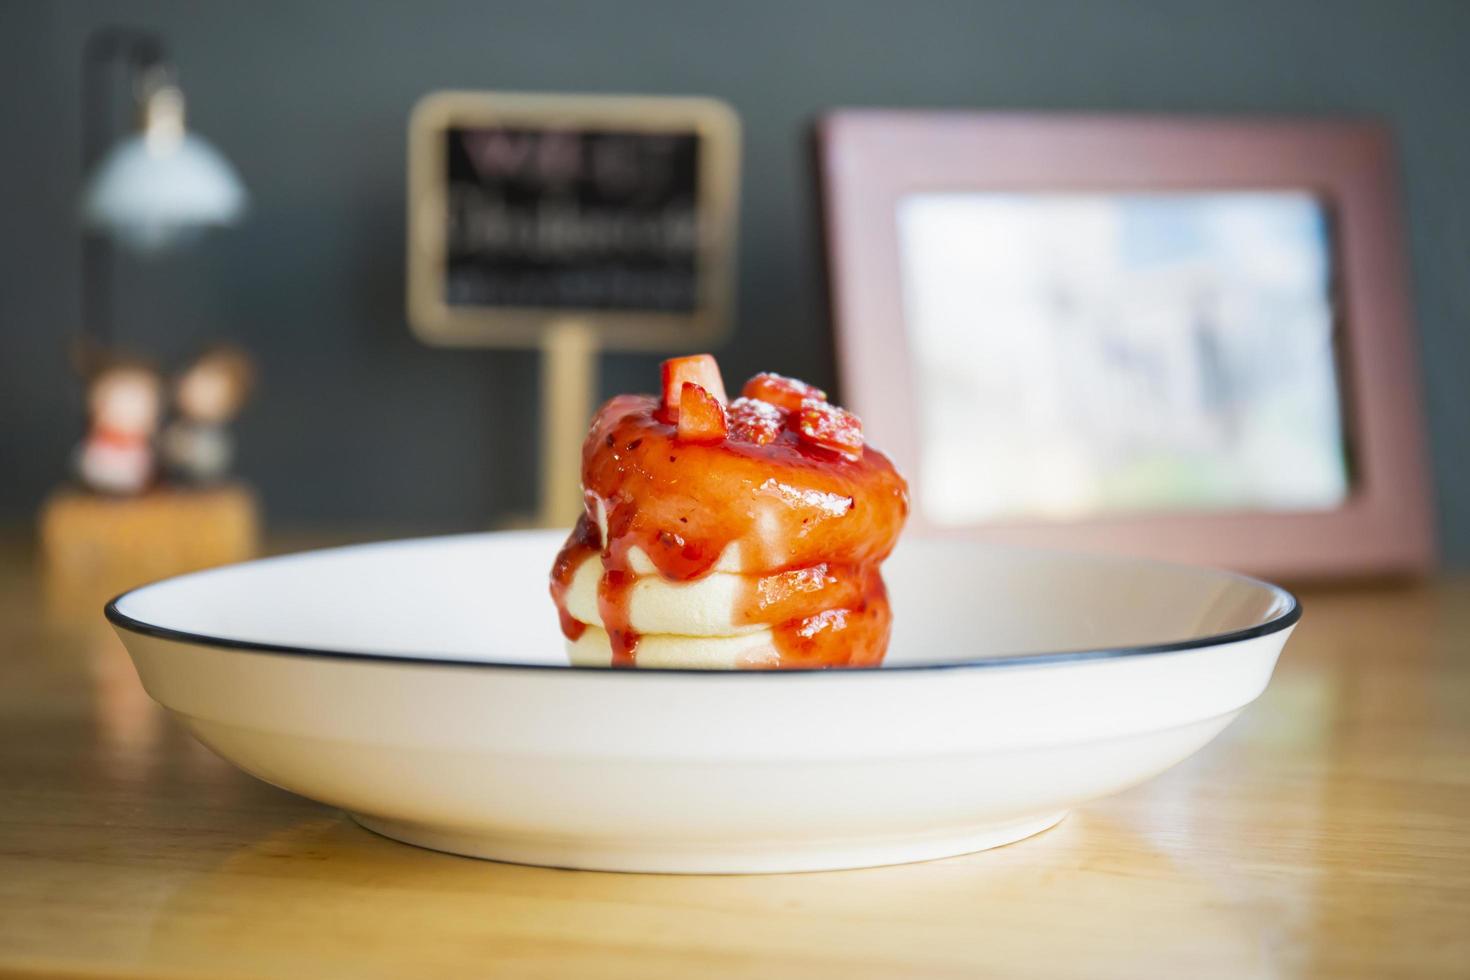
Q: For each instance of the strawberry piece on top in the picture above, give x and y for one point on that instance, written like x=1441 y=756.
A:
x=824 y=424
x=701 y=416
x=752 y=420
x=781 y=391
x=699 y=369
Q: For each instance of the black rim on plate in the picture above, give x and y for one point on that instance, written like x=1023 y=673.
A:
x=1281 y=621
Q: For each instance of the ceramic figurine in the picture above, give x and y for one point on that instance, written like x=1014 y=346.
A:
x=197 y=445
x=124 y=399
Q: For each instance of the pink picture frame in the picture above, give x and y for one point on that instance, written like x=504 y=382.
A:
x=870 y=160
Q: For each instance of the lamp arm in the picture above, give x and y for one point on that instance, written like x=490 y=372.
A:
x=140 y=51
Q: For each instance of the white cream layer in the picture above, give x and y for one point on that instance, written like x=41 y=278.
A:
x=593 y=649
x=704 y=607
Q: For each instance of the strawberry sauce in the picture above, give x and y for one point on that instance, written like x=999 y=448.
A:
x=803 y=515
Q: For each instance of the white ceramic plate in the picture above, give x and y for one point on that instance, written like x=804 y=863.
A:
x=422 y=687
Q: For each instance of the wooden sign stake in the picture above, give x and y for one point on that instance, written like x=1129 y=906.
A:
x=569 y=353
x=524 y=231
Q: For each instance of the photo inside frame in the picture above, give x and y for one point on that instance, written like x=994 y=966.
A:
x=1085 y=354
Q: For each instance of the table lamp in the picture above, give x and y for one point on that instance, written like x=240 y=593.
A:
x=146 y=189
x=156 y=187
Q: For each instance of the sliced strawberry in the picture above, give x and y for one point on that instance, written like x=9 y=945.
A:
x=824 y=424
x=701 y=416
x=752 y=420
x=699 y=369
x=787 y=393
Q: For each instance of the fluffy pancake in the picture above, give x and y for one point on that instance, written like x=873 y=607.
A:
x=758 y=649
x=855 y=637
x=707 y=606
x=685 y=510
x=731 y=561
x=717 y=604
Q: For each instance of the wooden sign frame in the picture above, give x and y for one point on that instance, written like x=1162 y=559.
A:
x=871 y=160
x=440 y=323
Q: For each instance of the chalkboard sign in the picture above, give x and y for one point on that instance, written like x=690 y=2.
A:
x=591 y=220
x=526 y=211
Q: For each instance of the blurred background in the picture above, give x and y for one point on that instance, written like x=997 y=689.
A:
x=355 y=425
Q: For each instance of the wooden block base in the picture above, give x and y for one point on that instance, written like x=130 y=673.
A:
x=94 y=547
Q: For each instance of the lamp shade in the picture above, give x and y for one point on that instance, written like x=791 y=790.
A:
x=149 y=197
x=159 y=185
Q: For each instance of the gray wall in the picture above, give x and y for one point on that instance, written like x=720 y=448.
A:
x=357 y=424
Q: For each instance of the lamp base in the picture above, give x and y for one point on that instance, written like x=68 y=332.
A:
x=94 y=547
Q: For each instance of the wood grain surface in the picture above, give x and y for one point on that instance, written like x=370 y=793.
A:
x=1326 y=833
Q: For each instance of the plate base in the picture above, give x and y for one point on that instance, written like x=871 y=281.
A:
x=736 y=858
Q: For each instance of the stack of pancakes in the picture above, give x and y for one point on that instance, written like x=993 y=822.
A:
x=726 y=619
x=751 y=539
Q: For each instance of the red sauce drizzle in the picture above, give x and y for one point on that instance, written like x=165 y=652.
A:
x=585 y=541
x=850 y=636
x=812 y=525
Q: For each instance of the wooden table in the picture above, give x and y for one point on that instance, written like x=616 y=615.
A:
x=1325 y=834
